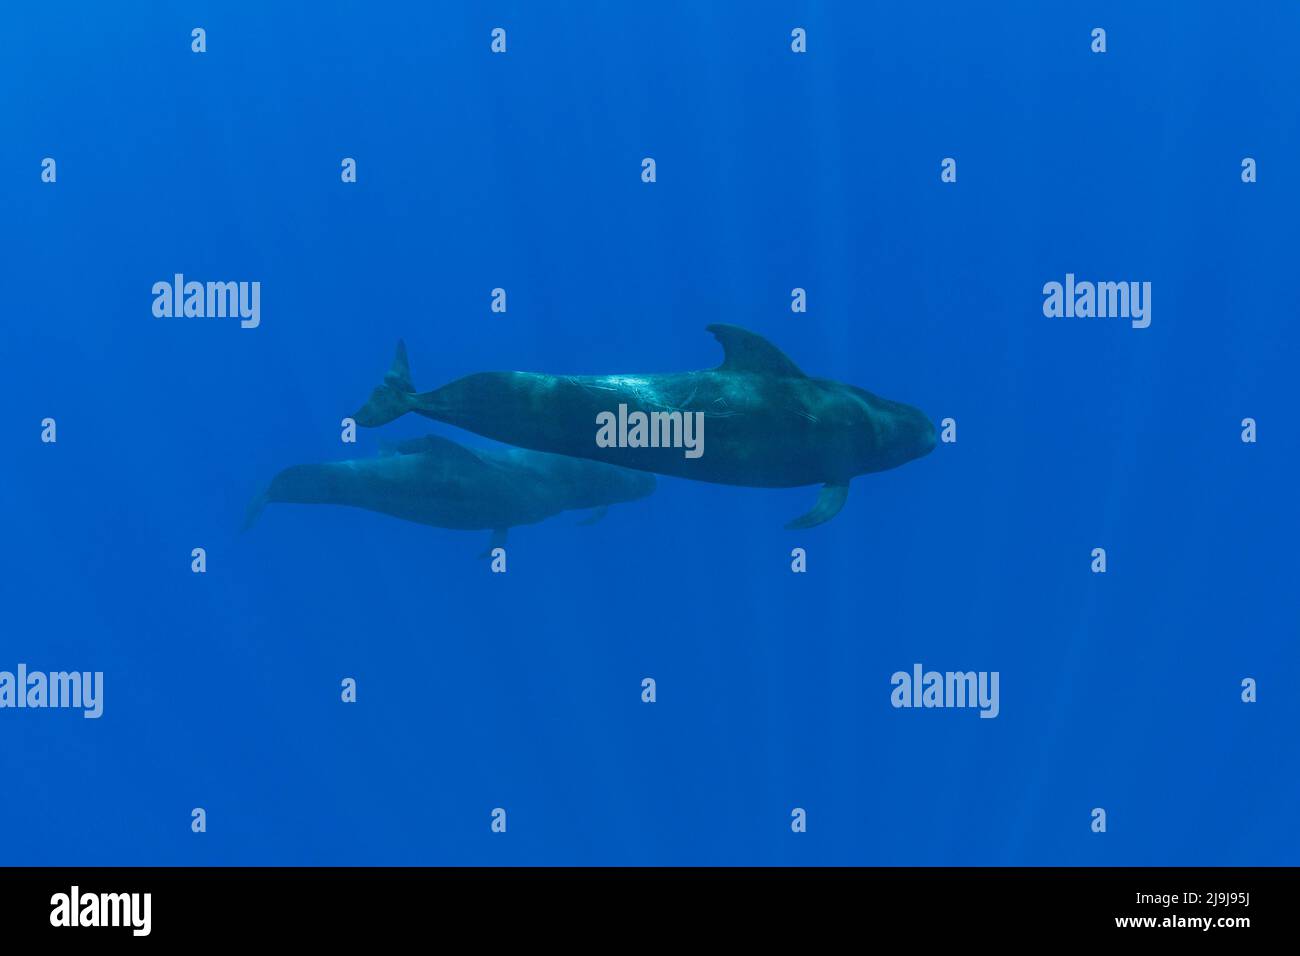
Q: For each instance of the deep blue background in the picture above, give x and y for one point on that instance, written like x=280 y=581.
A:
x=774 y=171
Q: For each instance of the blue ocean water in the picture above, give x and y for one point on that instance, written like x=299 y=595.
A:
x=775 y=170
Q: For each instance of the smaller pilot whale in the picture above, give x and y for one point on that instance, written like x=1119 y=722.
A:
x=435 y=481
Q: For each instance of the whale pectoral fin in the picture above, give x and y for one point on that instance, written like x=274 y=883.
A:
x=829 y=503
x=255 y=509
x=498 y=540
x=596 y=515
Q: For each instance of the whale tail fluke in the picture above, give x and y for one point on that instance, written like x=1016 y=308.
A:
x=392 y=399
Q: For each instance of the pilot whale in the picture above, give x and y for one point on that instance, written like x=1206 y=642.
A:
x=768 y=424
x=435 y=481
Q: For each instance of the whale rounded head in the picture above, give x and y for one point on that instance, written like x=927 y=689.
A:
x=613 y=485
x=640 y=484
x=894 y=433
x=921 y=431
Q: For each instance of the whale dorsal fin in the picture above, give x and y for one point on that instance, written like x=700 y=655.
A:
x=430 y=443
x=743 y=351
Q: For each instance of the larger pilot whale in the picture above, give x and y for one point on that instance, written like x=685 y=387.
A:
x=435 y=481
x=761 y=422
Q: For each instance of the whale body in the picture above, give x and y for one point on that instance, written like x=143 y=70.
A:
x=763 y=422
x=435 y=481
